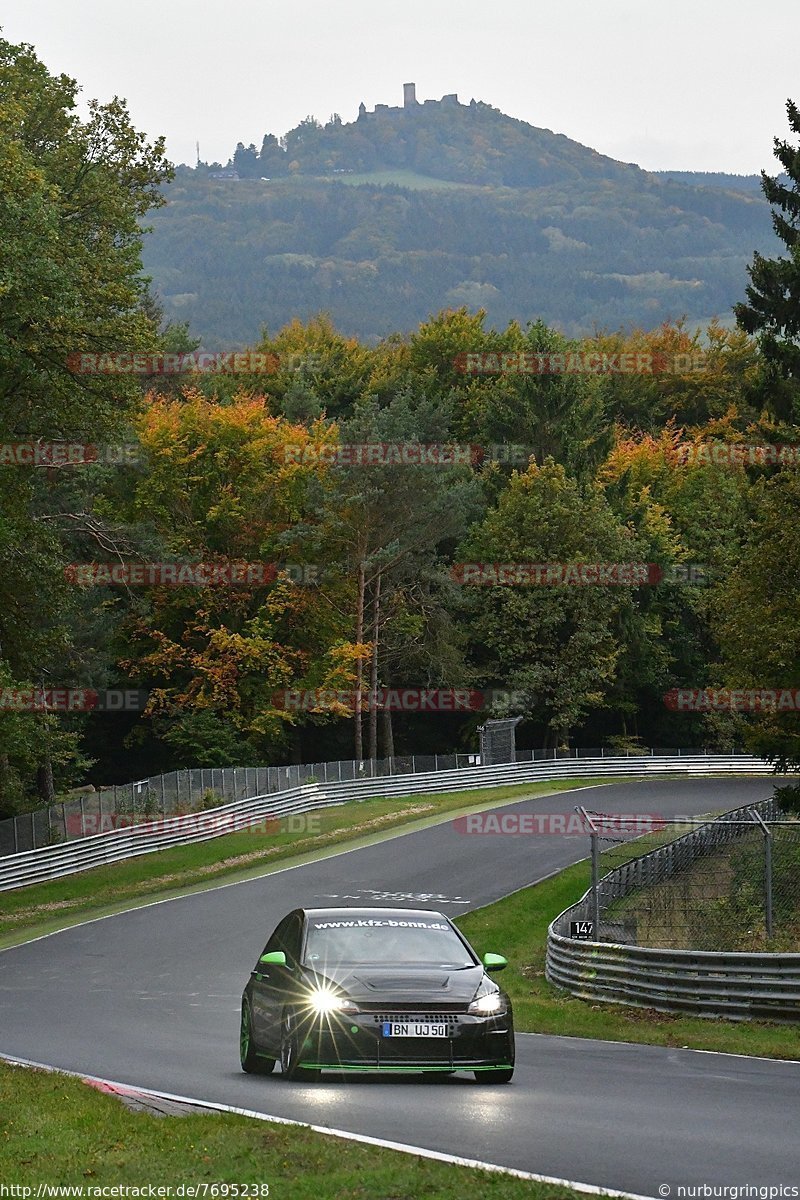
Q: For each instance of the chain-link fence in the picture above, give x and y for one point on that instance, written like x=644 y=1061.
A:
x=188 y=791
x=727 y=884
x=95 y=811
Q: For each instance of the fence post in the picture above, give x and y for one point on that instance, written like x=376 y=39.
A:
x=595 y=886
x=768 y=880
x=595 y=843
x=767 y=870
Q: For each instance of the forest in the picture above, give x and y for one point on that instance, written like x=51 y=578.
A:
x=309 y=518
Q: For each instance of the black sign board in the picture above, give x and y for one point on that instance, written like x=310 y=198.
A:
x=582 y=930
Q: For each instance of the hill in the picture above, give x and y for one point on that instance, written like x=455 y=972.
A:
x=405 y=211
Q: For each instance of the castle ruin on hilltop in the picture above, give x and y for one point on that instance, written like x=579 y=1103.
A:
x=410 y=104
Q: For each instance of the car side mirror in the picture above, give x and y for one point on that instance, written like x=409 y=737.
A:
x=275 y=958
x=494 y=962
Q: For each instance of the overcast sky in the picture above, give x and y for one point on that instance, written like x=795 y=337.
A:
x=687 y=84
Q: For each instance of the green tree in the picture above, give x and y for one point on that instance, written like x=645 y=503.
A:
x=757 y=616
x=558 y=646
x=773 y=296
x=72 y=193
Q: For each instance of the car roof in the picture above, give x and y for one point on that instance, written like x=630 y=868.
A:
x=375 y=911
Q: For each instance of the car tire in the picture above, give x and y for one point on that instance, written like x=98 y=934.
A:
x=500 y=1075
x=290 y=1069
x=252 y=1062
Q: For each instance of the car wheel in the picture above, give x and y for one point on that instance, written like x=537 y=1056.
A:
x=289 y=1052
x=500 y=1075
x=252 y=1062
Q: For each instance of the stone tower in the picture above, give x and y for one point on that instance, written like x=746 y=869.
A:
x=409 y=95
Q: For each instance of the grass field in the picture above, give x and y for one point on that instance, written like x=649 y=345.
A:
x=401 y=177
x=56 y=1130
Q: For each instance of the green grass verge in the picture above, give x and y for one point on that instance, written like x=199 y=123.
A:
x=41 y=908
x=517 y=927
x=55 y=1129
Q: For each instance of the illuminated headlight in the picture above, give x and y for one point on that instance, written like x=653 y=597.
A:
x=489 y=1005
x=324 y=1001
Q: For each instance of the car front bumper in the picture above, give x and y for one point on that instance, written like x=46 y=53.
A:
x=338 y=1042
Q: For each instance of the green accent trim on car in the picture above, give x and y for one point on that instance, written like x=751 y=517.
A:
x=275 y=958
x=317 y=1066
x=494 y=962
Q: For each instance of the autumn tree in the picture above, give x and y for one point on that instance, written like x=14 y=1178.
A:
x=72 y=194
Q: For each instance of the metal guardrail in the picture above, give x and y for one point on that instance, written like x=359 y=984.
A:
x=52 y=862
x=188 y=789
x=703 y=982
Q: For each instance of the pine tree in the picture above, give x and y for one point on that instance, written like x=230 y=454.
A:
x=773 y=308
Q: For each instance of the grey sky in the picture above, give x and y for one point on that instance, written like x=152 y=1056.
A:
x=687 y=84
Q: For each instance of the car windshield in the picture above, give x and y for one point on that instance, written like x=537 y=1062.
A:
x=385 y=941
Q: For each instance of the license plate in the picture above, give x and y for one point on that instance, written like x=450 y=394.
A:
x=413 y=1029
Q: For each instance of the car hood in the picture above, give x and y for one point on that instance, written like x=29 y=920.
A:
x=405 y=985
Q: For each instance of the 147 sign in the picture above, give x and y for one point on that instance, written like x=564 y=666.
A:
x=582 y=930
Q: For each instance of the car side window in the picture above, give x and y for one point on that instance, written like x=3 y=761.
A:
x=292 y=936
x=278 y=939
x=287 y=938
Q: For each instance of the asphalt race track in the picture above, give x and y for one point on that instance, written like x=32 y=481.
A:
x=151 y=998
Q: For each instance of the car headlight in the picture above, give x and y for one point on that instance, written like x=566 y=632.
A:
x=324 y=1000
x=490 y=1005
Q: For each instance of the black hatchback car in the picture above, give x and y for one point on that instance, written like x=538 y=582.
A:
x=375 y=989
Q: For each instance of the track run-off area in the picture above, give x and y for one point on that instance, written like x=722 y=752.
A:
x=150 y=998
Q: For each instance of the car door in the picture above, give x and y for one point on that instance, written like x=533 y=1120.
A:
x=264 y=978
x=273 y=983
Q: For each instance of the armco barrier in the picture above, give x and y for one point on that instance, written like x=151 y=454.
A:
x=190 y=789
x=52 y=862
x=702 y=982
